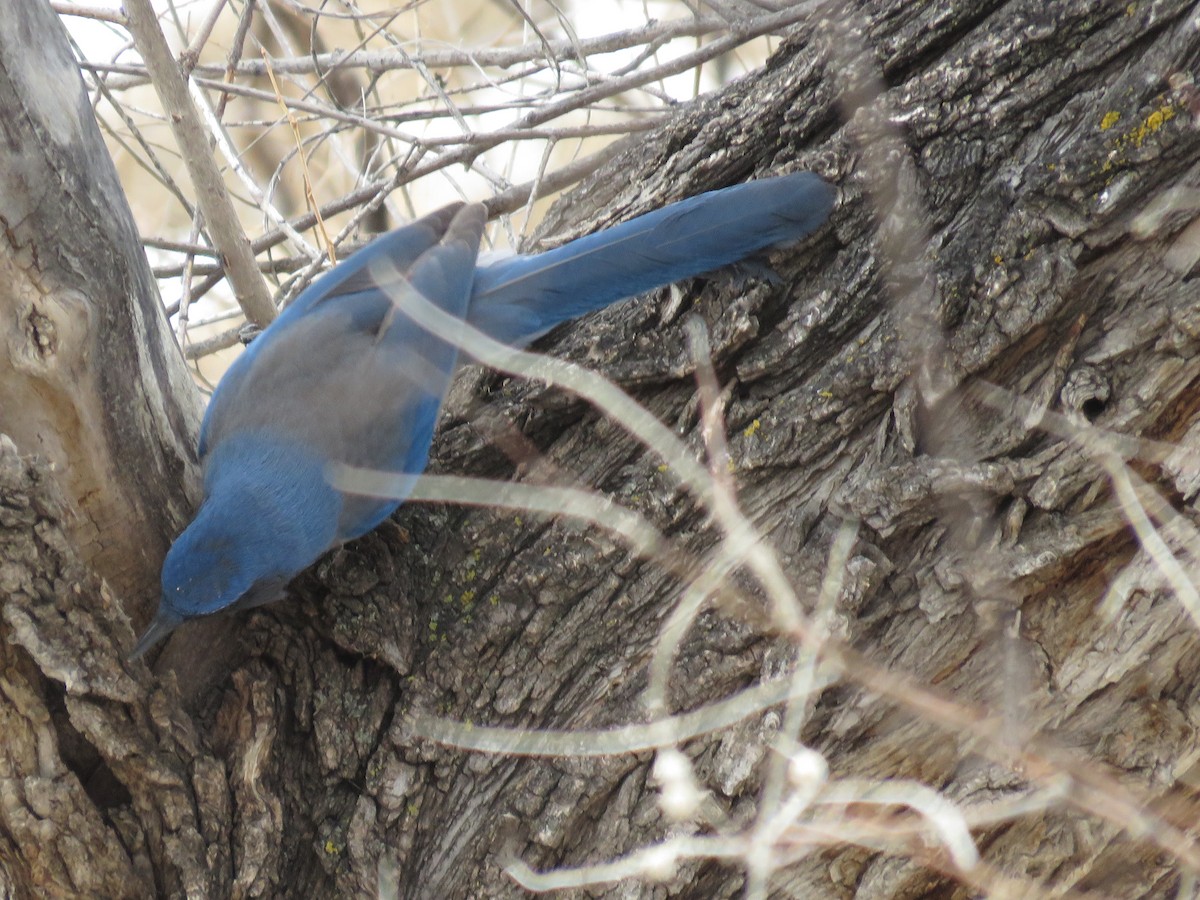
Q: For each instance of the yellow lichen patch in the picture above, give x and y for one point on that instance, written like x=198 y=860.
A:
x=1111 y=118
x=752 y=428
x=1152 y=123
x=1136 y=136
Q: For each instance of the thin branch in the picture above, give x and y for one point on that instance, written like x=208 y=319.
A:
x=505 y=57
x=223 y=225
x=115 y=16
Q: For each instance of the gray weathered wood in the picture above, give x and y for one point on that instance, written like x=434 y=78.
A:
x=90 y=377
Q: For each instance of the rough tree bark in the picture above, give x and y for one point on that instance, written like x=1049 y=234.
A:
x=1015 y=211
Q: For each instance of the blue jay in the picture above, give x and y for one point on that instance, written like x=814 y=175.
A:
x=343 y=376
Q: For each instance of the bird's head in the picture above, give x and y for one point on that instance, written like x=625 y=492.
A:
x=210 y=568
x=268 y=513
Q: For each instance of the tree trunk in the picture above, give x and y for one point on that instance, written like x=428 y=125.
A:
x=1015 y=213
x=89 y=375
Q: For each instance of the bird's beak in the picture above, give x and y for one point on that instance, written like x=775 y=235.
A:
x=164 y=623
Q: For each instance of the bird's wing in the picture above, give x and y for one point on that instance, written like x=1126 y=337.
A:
x=353 y=377
x=401 y=248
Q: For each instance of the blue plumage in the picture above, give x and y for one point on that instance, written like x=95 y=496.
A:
x=343 y=376
x=518 y=299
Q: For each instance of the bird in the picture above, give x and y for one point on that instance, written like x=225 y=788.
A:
x=343 y=376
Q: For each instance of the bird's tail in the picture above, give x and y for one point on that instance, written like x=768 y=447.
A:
x=518 y=299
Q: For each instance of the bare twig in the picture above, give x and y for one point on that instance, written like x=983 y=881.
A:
x=100 y=14
x=222 y=221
